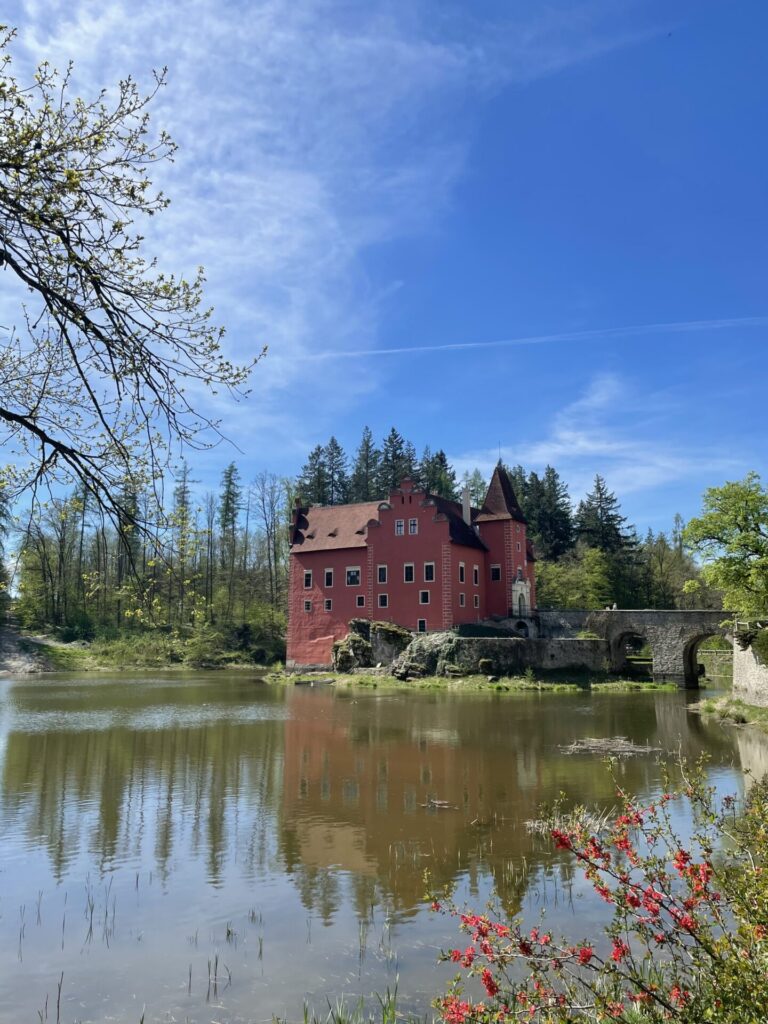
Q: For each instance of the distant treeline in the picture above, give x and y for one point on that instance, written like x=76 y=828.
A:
x=214 y=568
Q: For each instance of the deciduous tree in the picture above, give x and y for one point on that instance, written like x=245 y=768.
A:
x=97 y=374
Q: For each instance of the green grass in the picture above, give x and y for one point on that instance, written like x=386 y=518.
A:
x=735 y=711
x=472 y=682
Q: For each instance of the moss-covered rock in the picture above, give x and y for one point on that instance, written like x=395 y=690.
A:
x=352 y=652
x=388 y=641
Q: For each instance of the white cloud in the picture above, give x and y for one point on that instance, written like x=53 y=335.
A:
x=309 y=131
x=606 y=430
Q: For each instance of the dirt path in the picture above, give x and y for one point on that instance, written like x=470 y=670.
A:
x=21 y=656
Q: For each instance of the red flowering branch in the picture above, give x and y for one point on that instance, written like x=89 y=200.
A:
x=688 y=937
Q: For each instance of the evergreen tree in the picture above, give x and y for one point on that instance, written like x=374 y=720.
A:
x=394 y=464
x=519 y=485
x=365 y=472
x=599 y=522
x=437 y=476
x=312 y=484
x=410 y=461
x=336 y=473
x=549 y=515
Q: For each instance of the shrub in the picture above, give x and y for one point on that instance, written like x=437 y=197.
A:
x=688 y=939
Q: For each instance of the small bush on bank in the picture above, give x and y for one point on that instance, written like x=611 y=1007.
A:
x=688 y=939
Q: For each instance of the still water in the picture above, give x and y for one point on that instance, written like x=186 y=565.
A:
x=212 y=848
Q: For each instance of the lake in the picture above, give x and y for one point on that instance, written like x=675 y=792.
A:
x=207 y=847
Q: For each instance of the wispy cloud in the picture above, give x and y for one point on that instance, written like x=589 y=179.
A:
x=605 y=430
x=309 y=131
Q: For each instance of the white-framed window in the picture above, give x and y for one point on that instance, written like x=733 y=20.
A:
x=409 y=572
x=423 y=597
x=361 y=600
x=383 y=600
x=307 y=606
x=413 y=526
x=476 y=575
x=477 y=600
x=328 y=604
x=307 y=579
x=519 y=546
x=382 y=573
x=429 y=572
x=399 y=527
x=462 y=600
x=328 y=575
x=495 y=573
x=462 y=572
x=353 y=575
x=520 y=573
x=421 y=625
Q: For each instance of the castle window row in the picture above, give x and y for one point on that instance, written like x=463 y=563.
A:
x=353 y=574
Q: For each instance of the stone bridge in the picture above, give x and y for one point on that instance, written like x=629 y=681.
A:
x=673 y=637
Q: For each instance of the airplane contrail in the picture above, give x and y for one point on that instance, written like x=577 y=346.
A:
x=676 y=327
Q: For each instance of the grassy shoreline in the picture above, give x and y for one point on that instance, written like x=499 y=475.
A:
x=467 y=683
x=733 y=711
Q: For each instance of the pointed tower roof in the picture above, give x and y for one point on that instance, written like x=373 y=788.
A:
x=500 y=501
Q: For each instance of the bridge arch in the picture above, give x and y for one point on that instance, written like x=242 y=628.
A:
x=626 y=646
x=692 y=667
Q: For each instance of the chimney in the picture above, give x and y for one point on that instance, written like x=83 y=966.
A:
x=466 y=510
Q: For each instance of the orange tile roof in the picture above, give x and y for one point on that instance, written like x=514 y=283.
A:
x=326 y=527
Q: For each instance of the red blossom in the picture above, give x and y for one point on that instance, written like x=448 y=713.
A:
x=562 y=840
x=604 y=892
x=681 y=859
x=490 y=983
x=585 y=954
x=620 y=950
x=679 y=996
x=455 y=1010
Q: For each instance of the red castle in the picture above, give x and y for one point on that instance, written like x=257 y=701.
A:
x=417 y=559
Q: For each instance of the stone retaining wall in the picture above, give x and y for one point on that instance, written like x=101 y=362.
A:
x=750 y=676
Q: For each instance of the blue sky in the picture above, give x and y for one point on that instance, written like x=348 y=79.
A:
x=538 y=228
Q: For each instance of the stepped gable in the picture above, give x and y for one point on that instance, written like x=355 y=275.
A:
x=500 y=501
x=459 y=531
x=328 y=527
